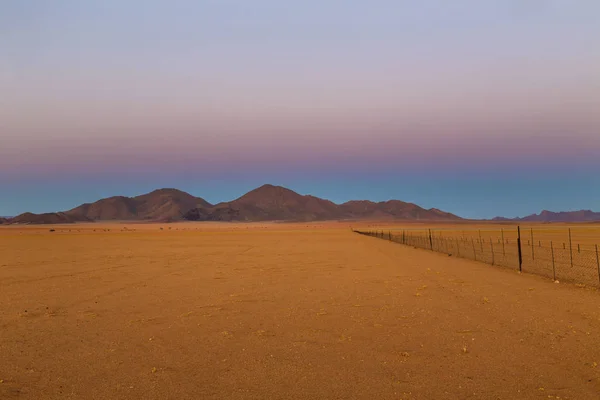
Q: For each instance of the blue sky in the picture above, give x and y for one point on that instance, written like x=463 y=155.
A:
x=480 y=108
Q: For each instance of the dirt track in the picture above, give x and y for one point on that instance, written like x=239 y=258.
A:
x=281 y=313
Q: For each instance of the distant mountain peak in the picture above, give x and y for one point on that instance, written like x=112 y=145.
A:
x=269 y=193
x=269 y=186
x=166 y=191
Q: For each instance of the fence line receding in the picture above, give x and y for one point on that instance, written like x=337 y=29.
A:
x=517 y=248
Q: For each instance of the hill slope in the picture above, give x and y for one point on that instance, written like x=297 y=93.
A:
x=162 y=204
x=47 y=218
x=168 y=204
x=393 y=209
x=269 y=203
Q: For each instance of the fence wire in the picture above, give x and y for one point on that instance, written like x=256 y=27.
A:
x=558 y=261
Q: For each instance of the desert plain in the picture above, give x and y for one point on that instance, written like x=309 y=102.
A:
x=282 y=311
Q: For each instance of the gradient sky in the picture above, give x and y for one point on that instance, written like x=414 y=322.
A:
x=476 y=107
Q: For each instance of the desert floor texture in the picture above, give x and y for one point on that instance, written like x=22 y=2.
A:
x=278 y=311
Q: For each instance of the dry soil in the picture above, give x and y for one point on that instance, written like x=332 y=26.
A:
x=205 y=311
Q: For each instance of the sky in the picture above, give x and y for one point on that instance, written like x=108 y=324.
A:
x=477 y=107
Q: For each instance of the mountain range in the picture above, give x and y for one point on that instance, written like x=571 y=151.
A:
x=563 y=216
x=266 y=203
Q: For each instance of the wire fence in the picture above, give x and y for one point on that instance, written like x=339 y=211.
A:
x=558 y=260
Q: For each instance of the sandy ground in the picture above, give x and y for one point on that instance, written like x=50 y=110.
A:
x=280 y=312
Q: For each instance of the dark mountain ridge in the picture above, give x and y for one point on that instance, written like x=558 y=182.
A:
x=276 y=203
x=159 y=205
x=266 y=203
x=561 y=216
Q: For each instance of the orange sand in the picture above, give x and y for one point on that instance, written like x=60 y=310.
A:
x=278 y=311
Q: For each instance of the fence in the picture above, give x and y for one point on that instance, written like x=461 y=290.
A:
x=512 y=248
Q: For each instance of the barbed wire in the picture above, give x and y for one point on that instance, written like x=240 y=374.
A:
x=556 y=260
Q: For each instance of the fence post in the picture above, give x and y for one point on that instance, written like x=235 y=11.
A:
x=458 y=248
x=532 y=246
x=553 y=266
x=570 y=248
x=519 y=248
x=430 y=241
x=598 y=263
x=480 y=241
x=492 y=246
x=474 y=253
x=503 y=252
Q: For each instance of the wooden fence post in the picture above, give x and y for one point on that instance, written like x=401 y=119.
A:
x=598 y=263
x=570 y=248
x=430 y=241
x=519 y=248
x=553 y=265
